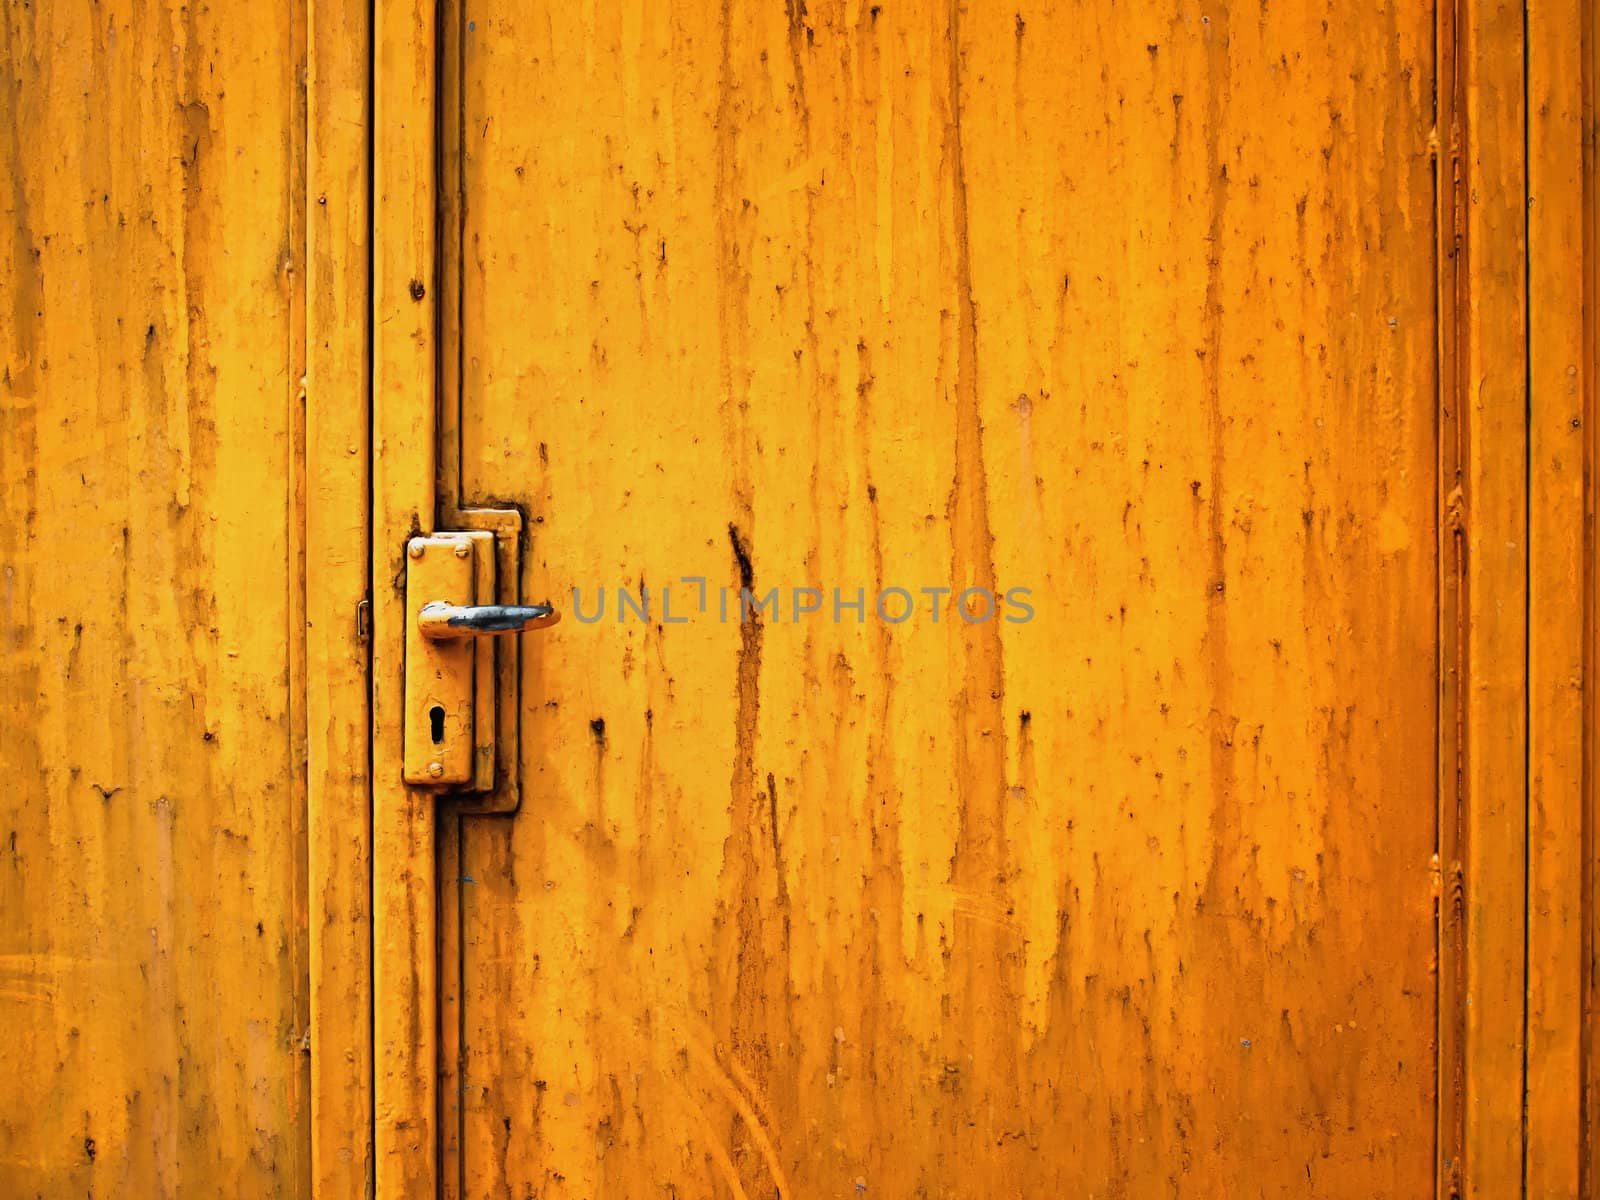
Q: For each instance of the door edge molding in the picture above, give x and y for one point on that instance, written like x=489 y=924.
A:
x=1482 y=529
x=337 y=500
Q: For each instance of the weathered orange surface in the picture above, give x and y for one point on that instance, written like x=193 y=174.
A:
x=154 y=1031
x=1136 y=309
x=1255 y=340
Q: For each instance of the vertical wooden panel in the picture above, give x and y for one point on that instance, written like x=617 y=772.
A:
x=1561 y=382
x=337 y=573
x=405 y=1037
x=152 y=956
x=1489 y=392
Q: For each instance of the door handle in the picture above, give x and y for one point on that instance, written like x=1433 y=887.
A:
x=441 y=621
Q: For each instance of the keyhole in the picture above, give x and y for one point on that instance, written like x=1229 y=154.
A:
x=436 y=721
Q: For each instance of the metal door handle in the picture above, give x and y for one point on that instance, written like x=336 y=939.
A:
x=439 y=621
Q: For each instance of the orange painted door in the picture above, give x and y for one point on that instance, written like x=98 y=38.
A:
x=1126 y=889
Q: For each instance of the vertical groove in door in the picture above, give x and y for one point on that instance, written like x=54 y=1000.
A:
x=1449 y=899
x=452 y=140
x=452 y=996
x=1589 y=116
x=1528 y=595
x=370 y=8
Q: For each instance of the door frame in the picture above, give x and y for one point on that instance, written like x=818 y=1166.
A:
x=1519 y=445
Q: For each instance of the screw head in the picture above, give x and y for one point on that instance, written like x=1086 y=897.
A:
x=463 y=549
x=436 y=770
x=416 y=548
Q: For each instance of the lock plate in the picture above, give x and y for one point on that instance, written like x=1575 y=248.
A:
x=441 y=676
x=463 y=660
